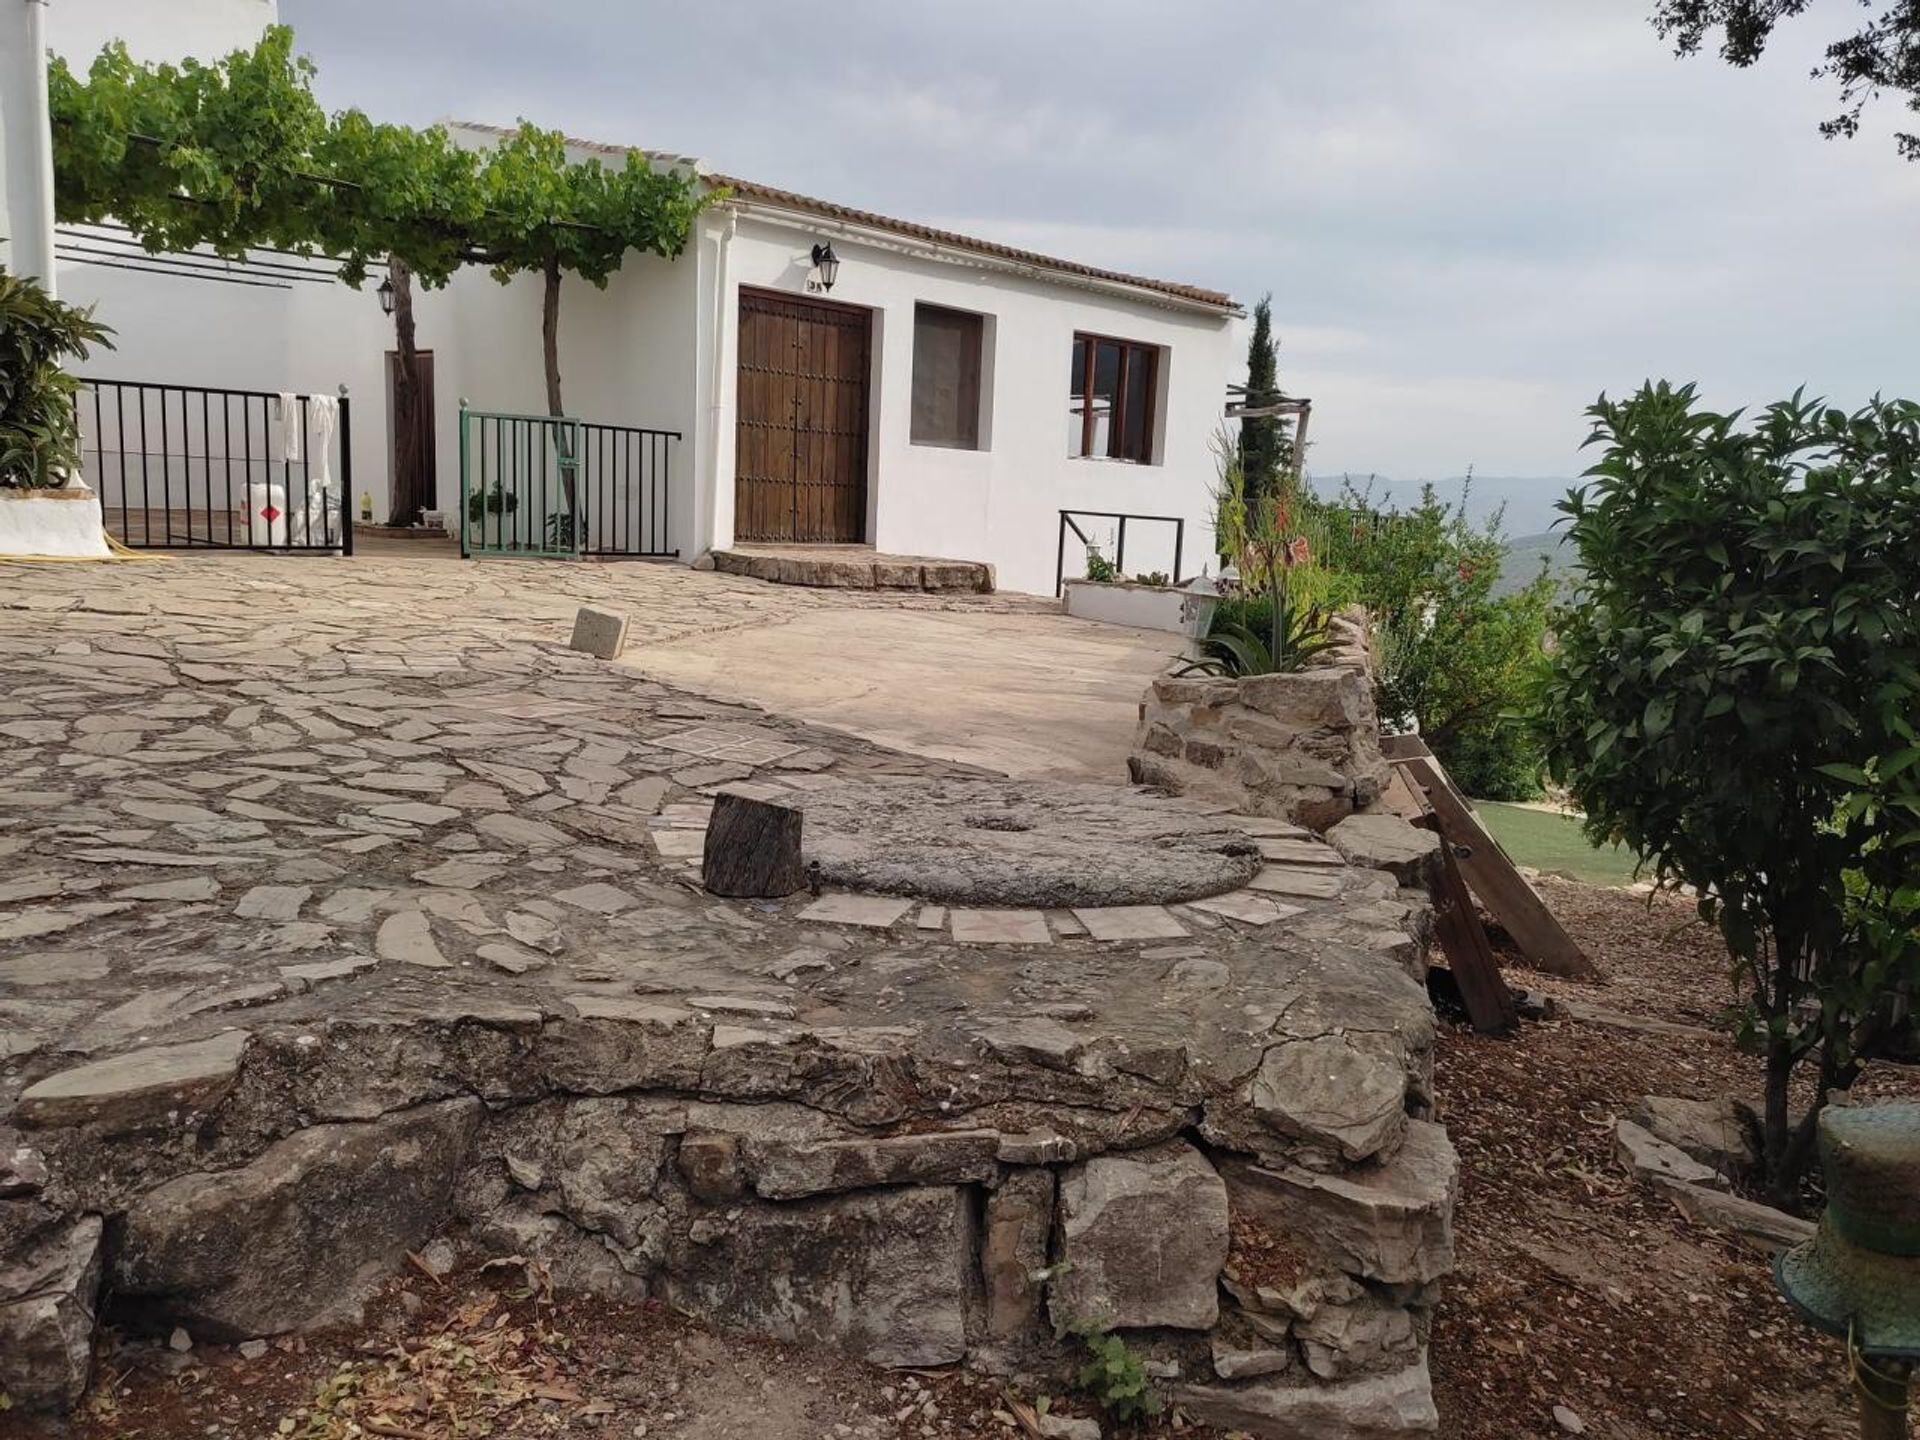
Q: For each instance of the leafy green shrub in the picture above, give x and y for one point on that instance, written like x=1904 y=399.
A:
x=497 y=501
x=1114 y=1376
x=1100 y=569
x=1449 y=653
x=1735 y=696
x=39 y=432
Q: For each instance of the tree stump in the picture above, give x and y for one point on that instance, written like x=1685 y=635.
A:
x=753 y=849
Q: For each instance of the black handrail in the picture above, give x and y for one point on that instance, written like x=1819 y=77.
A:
x=1067 y=522
x=212 y=481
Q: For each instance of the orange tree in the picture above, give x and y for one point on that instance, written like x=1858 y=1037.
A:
x=1735 y=696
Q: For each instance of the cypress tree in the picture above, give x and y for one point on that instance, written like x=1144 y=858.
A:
x=1262 y=446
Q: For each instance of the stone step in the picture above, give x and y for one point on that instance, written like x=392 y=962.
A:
x=852 y=567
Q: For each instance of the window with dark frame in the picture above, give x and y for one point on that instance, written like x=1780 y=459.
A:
x=1111 y=393
x=946 y=377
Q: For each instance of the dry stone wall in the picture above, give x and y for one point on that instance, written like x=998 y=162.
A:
x=1303 y=747
x=914 y=1207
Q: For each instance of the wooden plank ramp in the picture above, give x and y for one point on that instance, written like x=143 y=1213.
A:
x=1485 y=867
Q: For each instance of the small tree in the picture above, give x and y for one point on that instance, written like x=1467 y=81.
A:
x=39 y=434
x=1451 y=654
x=1735 y=696
x=1265 y=451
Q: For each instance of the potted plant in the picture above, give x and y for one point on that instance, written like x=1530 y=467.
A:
x=45 y=507
x=1150 y=601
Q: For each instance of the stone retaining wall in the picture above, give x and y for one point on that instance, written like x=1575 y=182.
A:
x=1269 y=1234
x=1303 y=747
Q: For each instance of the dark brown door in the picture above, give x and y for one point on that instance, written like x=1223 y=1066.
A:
x=800 y=453
x=422 y=486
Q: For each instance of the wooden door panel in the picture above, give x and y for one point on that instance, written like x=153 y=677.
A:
x=800 y=470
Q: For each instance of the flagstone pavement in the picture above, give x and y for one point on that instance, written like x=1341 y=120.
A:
x=242 y=789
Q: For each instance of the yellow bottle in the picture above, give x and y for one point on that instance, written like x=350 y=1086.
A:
x=366 y=507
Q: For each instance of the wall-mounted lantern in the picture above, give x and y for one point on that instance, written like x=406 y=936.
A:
x=385 y=292
x=826 y=268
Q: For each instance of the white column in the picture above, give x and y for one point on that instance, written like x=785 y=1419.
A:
x=26 y=142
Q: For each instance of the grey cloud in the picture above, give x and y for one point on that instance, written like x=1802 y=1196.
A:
x=1473 y=216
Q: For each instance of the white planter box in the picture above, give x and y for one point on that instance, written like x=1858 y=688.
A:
x=1145 y=607
x=52 y=522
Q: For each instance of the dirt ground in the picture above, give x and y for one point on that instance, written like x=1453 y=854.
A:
x=1575 y=1288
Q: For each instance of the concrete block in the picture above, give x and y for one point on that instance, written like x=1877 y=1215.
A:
x=601 y=633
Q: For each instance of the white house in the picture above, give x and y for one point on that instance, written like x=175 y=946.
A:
x=943 y=395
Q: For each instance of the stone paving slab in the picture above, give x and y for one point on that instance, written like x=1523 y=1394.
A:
x=249 y=899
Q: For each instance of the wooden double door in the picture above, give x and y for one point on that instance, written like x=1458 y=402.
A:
x=800 y=447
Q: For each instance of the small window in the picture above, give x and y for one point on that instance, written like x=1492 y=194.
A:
x=1110 y=394
x=946 y=377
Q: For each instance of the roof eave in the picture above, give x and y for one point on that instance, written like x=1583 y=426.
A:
x=1036 y=267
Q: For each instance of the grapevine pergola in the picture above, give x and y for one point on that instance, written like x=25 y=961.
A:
x=237 y=154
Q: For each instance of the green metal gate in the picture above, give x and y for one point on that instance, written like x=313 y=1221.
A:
x=520 y=485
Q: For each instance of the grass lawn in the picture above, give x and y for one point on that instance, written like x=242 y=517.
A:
x=1553 y=843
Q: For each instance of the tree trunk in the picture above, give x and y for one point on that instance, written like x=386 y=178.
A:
x=562 y=438
x=410 y=485
x=550 y=334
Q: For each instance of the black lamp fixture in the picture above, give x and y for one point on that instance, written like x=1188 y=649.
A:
x=826 y=265
x=385 y=293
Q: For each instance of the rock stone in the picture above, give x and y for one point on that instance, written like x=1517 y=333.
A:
x=1759 y=1226
x=1648 y=1157
x=1069 y=1427
x=1386 y=842
x=1717 y=1133
x=136 y=1089
x=1013 y=1251
x=295 y=1234
x=1236 y=1361
x=1144 y=1237
x=1339 y=1091
x=406 y=936
x=1037 y=844
x=48 y=1283
x=1391 y=1222
x=884 y=1274
x=1361 y=1337
x=1378 y=1407
x=783 y=1171
x=23 y=1171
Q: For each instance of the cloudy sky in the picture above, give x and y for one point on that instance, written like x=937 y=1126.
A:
x=1473 y=217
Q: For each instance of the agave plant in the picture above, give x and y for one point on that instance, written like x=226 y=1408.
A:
x=1234 y=649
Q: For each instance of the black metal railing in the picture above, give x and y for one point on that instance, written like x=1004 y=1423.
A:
x=1070 y=521
x=625 y=473
x=191 y=467
x=555 y=486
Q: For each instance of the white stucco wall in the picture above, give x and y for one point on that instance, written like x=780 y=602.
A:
x=626 y=358
x=1000 y=503
x=25 y=173
x=657 y=349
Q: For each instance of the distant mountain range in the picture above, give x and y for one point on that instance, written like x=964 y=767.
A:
x=1529 y=501
x=1526 y=554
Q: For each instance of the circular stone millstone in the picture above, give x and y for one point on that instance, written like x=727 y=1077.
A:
x=1030 y=843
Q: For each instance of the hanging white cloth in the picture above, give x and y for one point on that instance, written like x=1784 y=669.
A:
x=290 y=427
x=316 y=526
x=323 y=413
